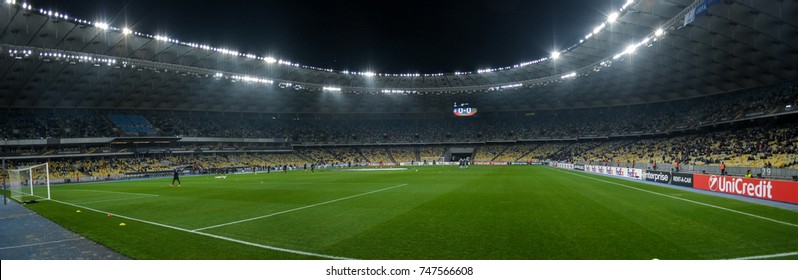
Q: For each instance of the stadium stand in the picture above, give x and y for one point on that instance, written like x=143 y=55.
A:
x=132 y=124
x=404 y=154
x=432 y=152
x=346 y=154
x=318 y=155
x=644 y=119
x=517 y=153
x=489 y=152
x=376 y=155
x=761 y=131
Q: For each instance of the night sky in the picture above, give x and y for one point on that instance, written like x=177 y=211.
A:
x=381 y=36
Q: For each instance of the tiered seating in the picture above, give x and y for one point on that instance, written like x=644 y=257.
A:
x=132 y=123
x=376 y=154
x=431 y=152
x=404 y=154
x=488 y=152
x=346 y=154
x=517 y=152
x=318 y=155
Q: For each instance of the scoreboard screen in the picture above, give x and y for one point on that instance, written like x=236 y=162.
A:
x=464 y=109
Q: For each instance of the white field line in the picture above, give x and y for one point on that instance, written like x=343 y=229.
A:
x=41 y=243
x=767 y=256
x=211 y=235
x=298 y=208
x=115 y=199
x=684 y=199
x=128 y=193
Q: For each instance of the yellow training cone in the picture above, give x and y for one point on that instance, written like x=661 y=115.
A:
x=77 y=211
x=121 y=224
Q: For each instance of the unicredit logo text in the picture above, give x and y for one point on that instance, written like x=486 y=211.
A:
x=740 y=187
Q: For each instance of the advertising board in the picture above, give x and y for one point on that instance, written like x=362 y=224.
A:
x=751 y=187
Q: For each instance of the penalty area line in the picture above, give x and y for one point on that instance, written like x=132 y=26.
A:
x=298 y=208
x=766 y=256
x=684 y=199
x=310 y=254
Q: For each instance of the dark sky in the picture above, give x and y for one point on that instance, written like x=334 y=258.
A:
x=382 y=36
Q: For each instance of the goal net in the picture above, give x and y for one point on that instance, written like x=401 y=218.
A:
x=29 y=183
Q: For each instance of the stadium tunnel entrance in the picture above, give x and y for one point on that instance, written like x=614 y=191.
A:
x=455 y=154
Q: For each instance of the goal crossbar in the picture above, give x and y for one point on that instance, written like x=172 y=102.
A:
x=47 y=166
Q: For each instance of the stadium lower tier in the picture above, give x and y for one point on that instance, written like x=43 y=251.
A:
x=756 y=146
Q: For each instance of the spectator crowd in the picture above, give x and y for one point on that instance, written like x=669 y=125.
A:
x=703 y=131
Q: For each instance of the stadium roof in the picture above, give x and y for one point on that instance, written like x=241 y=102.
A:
x=650 y=52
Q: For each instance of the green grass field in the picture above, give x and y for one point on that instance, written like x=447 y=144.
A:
x=502 y=212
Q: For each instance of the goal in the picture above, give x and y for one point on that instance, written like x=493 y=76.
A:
x=29 y=183
x=430 y=160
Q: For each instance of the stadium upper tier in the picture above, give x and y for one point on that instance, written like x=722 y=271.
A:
x=777 y=101
x=649 y=51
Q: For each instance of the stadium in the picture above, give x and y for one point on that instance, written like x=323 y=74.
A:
x=669 y=130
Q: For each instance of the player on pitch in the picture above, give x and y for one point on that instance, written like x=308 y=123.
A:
x=176 y=177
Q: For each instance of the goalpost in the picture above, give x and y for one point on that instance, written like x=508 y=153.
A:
x=429 y=160
x=29 y=183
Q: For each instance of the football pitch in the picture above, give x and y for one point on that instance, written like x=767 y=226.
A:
x=441 y=212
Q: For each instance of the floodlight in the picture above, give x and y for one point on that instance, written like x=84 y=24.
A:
x=613 y=17
x=101 y=25
x=628 y=2
x=599 y=28
x=630 y=49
